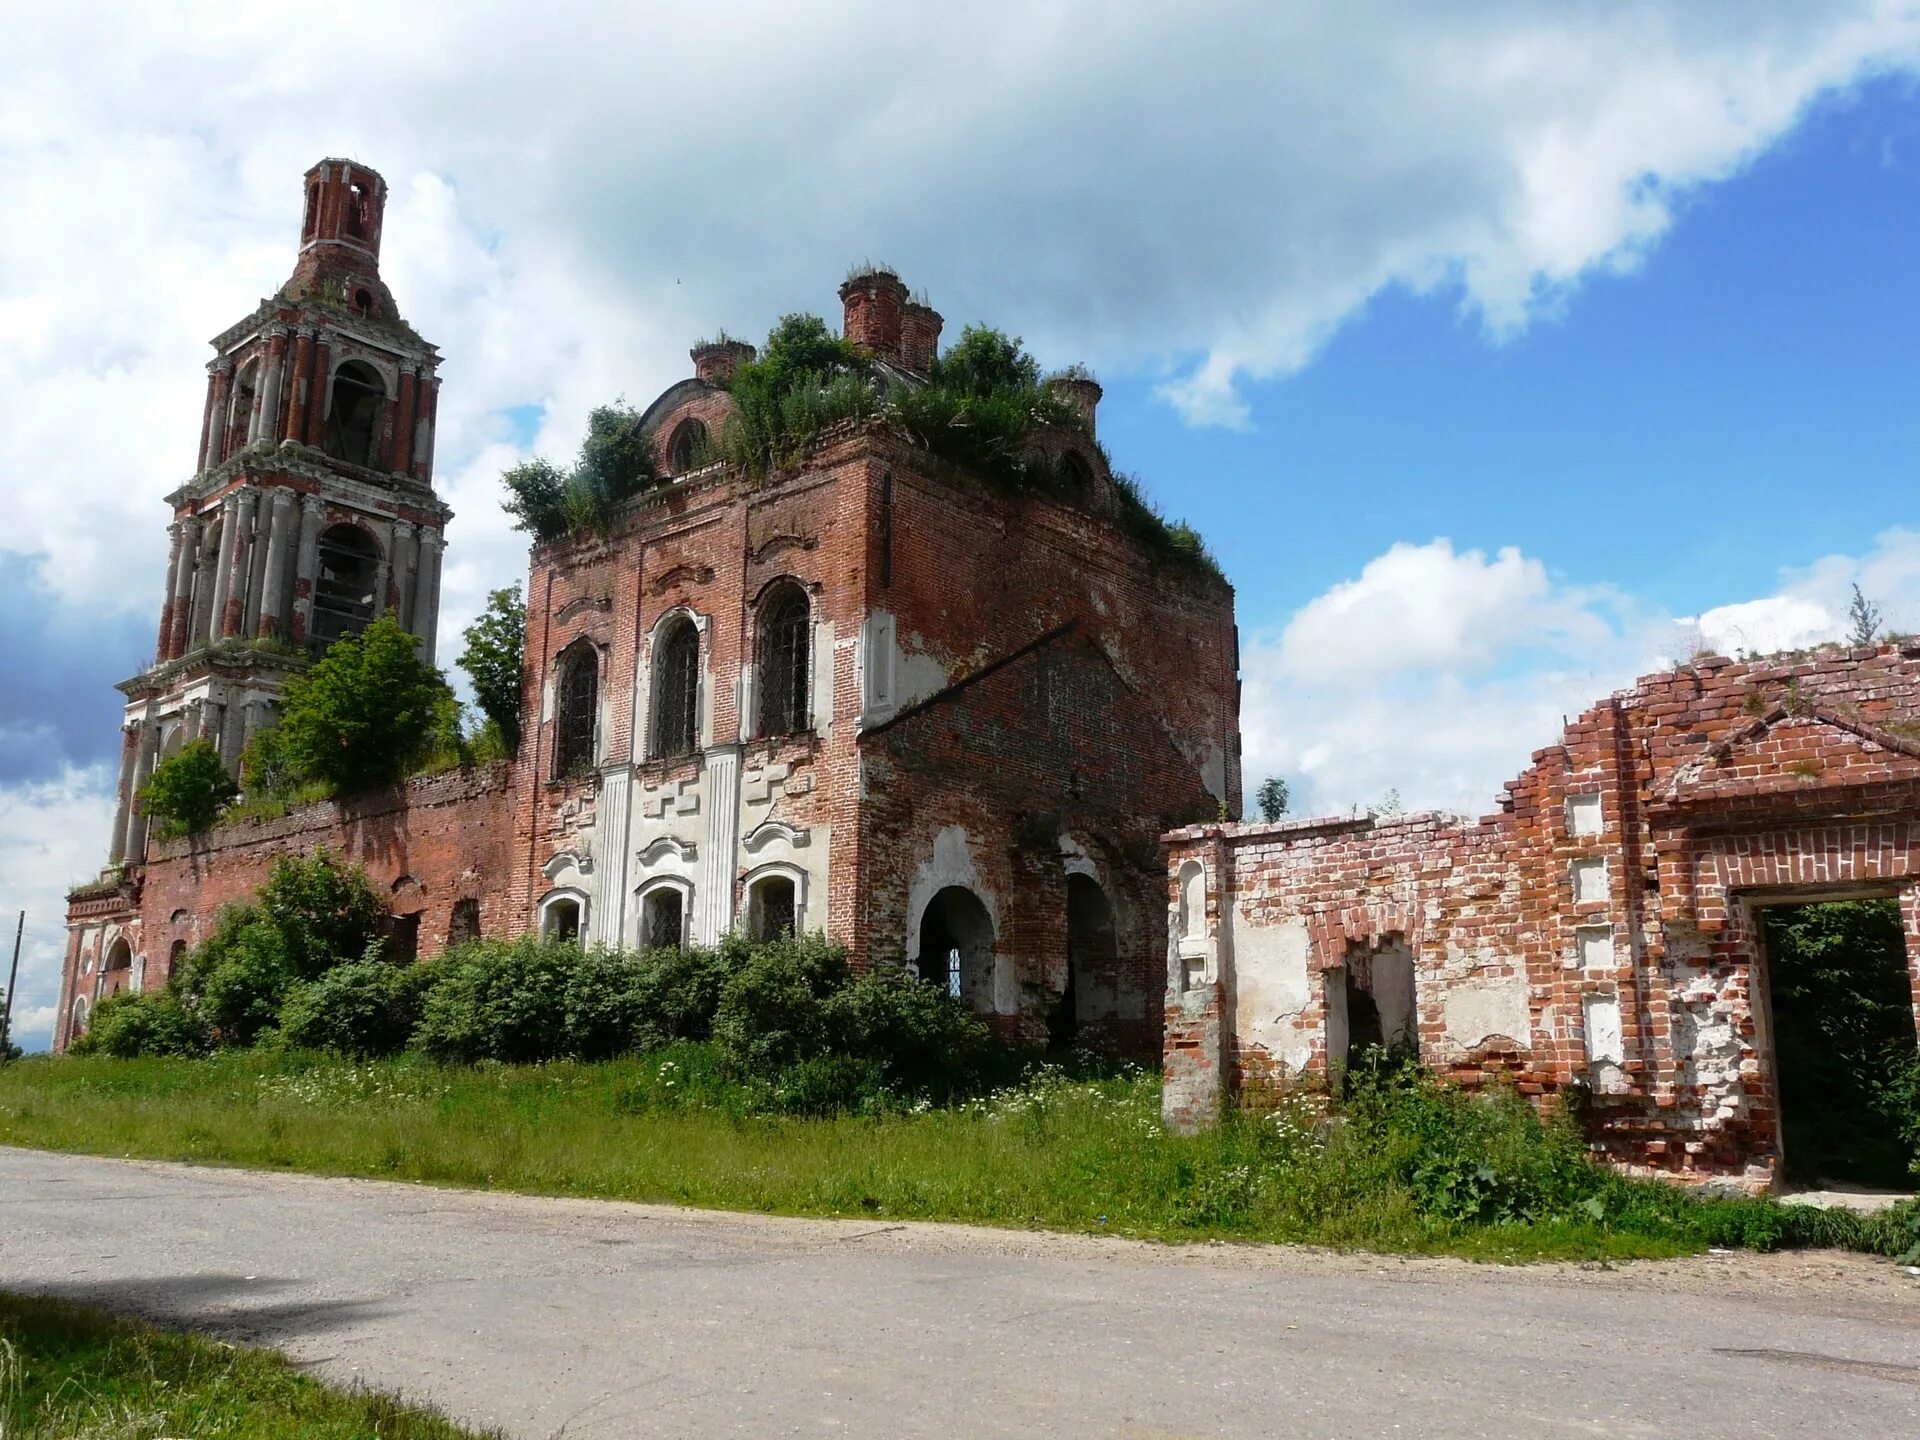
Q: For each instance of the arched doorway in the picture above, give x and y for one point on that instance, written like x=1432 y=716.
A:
x=956 y=947
x=1092 y=962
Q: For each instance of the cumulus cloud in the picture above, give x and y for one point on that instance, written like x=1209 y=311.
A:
x=52 y=835
x=1437 y=673
x=1204 y=191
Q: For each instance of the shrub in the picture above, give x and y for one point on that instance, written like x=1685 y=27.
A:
x=312 y=913
x=616 y=463
x=923 y=1042
x=154 y=1022
x=679 y=990
x=356 y=1009
x=772 y=1012
x=187 y=791
x=604 y=1004
x=499 y=1000
x=368 y=712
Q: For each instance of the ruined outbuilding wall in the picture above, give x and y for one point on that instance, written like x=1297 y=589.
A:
x=1599 y=932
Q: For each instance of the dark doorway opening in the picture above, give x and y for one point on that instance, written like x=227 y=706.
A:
x=1091 y=960
x=1846 y=1066
x=956 y=948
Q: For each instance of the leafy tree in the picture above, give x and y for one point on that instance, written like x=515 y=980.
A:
x=1863 y=619
x=616 y=463
x=368 y=712
x=496 y=644
x=187 y=791
x=985 y=362
x=1272 y=798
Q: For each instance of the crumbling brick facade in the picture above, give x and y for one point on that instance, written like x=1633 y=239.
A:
x=1599 y=932
x=867 y=694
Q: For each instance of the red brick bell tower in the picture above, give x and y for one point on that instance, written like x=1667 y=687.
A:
x=311 y=509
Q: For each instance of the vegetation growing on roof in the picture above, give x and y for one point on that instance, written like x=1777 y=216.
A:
x=982 y=406
x=616 y=463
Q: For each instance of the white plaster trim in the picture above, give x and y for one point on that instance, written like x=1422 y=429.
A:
x=667 y=845
x=782 y=869
x=555 y=897
x=767 y=832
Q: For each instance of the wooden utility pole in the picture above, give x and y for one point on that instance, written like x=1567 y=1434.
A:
x=6 y=1015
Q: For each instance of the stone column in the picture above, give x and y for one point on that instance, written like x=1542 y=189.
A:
x=177 y=532
x=215 y=449
x=400 y=452
x=257 y=563
x=317 y=394
x=426 y=591
x=713 y=905
x=130 y=738
x=300 y=381
x=306 y=566
x=405 y=563
x=429 y=408
x=134 y=849
x=382 y=567
x=222 y=568
x=233 y=612
x=181 y=615
x=270 y=385
x=206 y=418
x=280 y=540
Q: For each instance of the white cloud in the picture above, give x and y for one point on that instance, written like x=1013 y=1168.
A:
x=1438 y=674
x=53 y=834
x=1204 y=190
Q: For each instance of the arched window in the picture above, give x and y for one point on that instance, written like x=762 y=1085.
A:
x=771 y=909
x=956 y=947
x=357 y=210
x=78 y=1027
x=576 y=709
x=784 y=657
x=363 y=301
x=688 y=448
x=561 y=919
x=1091 y=960
x=119 y=955
x=663 y=918
x=246 y=384
x=343 y=598
x=353 y=416
x=676 y=689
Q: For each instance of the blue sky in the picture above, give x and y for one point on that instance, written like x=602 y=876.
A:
x=1502 y=352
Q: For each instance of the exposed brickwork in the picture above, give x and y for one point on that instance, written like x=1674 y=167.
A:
x=1600 y=930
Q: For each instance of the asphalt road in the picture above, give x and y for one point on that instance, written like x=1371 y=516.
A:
x=582 y=1318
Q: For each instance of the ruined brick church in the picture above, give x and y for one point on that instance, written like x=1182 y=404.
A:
x=992 y=736
x=868 y=694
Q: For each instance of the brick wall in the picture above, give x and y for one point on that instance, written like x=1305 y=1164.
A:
x=1599 y=931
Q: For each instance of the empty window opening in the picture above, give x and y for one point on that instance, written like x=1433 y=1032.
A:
x=119 y=956
x=358 y=206
x=1370 y=1004
x=343 y=594
x=313 y=211
x=463 y=925
x=1840 y=998
x=246 y=385
x=956 y=947
x=403 y=938
x=663 y=919
x=689 y=448
x=1077 y=475
x=770 y=908
x=784 y=633
x=676 y=689
x=577 y=710
x=1093 y=980
x=560 y=921
x=353 y=414
x=363 y=301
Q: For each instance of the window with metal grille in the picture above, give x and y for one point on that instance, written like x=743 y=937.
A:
x=663 y=919
x=576 y=710
x=785 y=629
x=771 y=912
x=676 y=689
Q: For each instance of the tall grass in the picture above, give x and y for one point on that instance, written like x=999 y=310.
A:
x=1435 y=1170
x=71 y=1373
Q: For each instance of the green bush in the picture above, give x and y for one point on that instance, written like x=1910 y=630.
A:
x=923 y=1042
x=368 y=712
x=604 y=1005
x=773 y=1012
x=187 y=791
x=313 y=913
x=616 y=463
x=679 y=990
x=499 y=1000
x=154 y=1022
x=359 y=1009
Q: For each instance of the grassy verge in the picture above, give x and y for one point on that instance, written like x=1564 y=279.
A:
x=68 y=1372
x=1415 y=1169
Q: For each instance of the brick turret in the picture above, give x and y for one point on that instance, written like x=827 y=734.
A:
x=716 y=360
x=874 y=301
